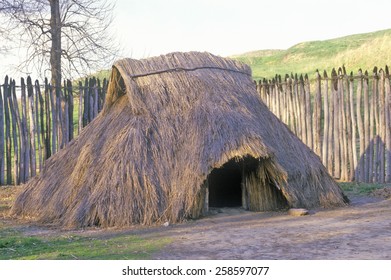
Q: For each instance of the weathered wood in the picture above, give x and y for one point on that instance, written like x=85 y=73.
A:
x=382 y=130
x=31 y=109
x=348 y=120
x=366 y=127
x=308 y=114
x=91 y=100
x=25 y=135
x=303 y=111
x=54 y=108
x=343 y=127
x=297 y=105
x=70 y=110
x=317 y=116
x=7 y=122
x=86 y=103
x=360 y=172
x=80 y=126
x=60 y=117
x=38 y=125
x=337 y=150
x=372 y=126
x=48 y=125
x=65 y=115
x=41 y=125
x=387 y=112
x=96 y=100
x=2 y=141
x=331 y=145
x=325 y=147
x=14 y=112
x=353 y=139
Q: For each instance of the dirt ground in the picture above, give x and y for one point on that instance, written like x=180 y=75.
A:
x=361 y=230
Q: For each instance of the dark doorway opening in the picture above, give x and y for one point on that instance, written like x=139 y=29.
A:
x=225 y=186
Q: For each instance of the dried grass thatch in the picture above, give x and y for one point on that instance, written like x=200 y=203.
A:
x=168 y=122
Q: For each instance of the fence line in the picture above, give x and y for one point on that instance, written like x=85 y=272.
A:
x=344 y=119
x=41 y=121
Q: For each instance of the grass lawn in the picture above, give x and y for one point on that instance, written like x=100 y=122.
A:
x=14 y=245
x=19 y=242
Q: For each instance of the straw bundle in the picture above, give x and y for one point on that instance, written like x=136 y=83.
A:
x=167 y=123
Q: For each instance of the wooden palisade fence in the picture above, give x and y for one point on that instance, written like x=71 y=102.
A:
x=344 y=119
x=38 y=120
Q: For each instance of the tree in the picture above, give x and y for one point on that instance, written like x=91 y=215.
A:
x=60 y=36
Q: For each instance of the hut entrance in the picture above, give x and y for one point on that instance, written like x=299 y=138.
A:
x=225 y=183
x=246 y=183
x=225 y=186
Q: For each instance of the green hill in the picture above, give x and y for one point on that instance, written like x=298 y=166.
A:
x=355 y=51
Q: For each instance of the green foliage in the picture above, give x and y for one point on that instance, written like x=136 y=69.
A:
x=14 y=245
x=353 y=188
x=356 y=51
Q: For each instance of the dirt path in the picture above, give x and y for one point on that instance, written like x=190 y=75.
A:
x=360 y=231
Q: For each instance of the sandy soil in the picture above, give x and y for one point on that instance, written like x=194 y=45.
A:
x=359 y=231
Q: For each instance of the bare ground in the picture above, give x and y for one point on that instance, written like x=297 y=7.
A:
x=361 y=230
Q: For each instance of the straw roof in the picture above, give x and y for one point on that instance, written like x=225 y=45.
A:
x=167 y=123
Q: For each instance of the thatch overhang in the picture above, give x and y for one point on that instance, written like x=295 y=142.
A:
x=172 y=130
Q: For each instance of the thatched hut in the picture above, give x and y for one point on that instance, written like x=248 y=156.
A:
x=178 y=134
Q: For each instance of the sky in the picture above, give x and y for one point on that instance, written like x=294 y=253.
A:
x=226 y=27
x=147 y=28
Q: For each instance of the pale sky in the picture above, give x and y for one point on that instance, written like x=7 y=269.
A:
x=147 y=28
x=226 y=27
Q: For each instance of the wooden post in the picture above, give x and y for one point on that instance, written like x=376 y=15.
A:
x=86 y=103
x=7 y=132
x=41 y=125
x=2 y=159
x=360 y=171
x=52 y=91
x=25 y=134
x=366 y=126
x=65 y=101
x=96 y=99
x=104 y=91
x=325 y=148
x=388 y=123
x=303 y=111
x=70 y=110
x=14 y=112
x=80 y=125
x=336 y=105
x=32 y=126
x=100 y=94
x=59 y=116
x=382 y=130
x=296 y=107
x=291 y=104
x=48 y=125
x=373 y=125
x=91 y=100
x=353 y=142
x=348 y=121
x=343 y=127
x=317 y=116
x=308 y=114
x=38 y=125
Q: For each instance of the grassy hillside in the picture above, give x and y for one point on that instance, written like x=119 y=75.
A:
x=356 y=51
